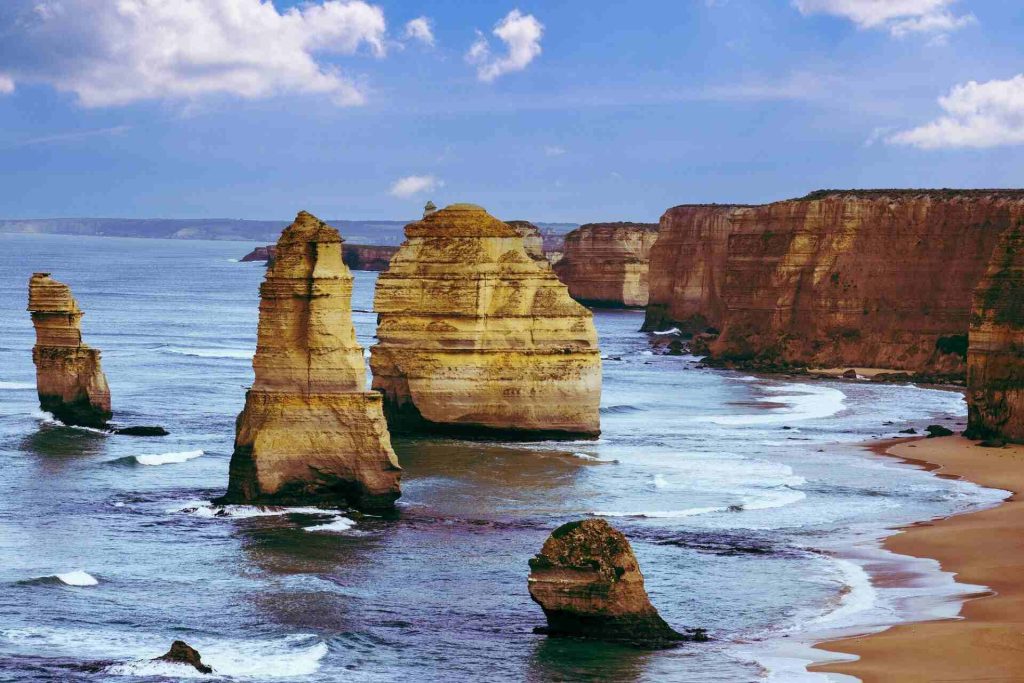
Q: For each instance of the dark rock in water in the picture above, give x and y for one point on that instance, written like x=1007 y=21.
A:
x=908 y=431
x=142 y=430
x=850 y=374
x=993 y=443
x=182 y=653
x=588 y=582
x=937 y=430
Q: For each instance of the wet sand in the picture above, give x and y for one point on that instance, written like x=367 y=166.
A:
x=986 y=643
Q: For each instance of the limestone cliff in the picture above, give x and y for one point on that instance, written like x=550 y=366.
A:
x=310 y=432
x=69 y=379
x=532 y=239
x=606 y=264
x=355 y=256
x=875 y=278
x=995 y=374
x=588 y=582
x=476 y=336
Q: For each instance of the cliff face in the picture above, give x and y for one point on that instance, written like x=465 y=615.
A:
x=605 y=264
x=310 y=432
x=871 y=278
x=355 y=256
x=532 y=239
x=69 y=379
x=477 y=336
x=995 y=374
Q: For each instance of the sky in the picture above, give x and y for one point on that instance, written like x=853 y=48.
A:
x=574 y=111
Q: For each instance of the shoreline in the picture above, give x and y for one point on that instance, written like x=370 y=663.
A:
x=981 y=548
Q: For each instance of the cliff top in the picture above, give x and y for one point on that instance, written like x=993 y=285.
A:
x=907 y=193
x=460 y=220
x=652 y=227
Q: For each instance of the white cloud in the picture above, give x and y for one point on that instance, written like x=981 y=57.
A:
x=415 y=184
x=521 y=34
x=899 y=17
x=115 y=53
x=421 y=29
x=6 y=85
x=554 y=151
x=987 y=114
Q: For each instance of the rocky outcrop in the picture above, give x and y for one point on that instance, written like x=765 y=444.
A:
x=355 y=256
x=310 y=432
x=69 y=379
x=995 y=357
x=879 y=278
x=588 y=582
x=182 y=653
x=533 y=241
x=606 y=264
x=477 y=337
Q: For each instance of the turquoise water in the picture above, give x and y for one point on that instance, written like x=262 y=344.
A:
x=734 y=491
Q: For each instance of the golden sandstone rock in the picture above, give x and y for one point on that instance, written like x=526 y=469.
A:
x=995 y=373
x=69 y=378
x=477 y=336
x=606 y=264
x=310 y=432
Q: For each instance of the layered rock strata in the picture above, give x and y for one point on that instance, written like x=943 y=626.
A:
x=995 y=373
x=477 y=337
x=69 y=379
x=877 y=278
x=310 y=432
x=588 y=582
x=355 y=256
x=533 y=241
x=606 y=264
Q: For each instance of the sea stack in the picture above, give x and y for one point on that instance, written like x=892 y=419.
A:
x=478 y=338
x=69 y=379
x=310 y=432
x=588 y=582
x=532 y=239
x=606 y=264
x=995 y=357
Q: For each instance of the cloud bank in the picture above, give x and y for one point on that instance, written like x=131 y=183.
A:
x=899 y=17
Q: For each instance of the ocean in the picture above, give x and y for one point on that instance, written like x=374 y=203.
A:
x=750 y=502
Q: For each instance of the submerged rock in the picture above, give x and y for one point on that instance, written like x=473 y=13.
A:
x=142 y=430
x=69 y=379
x=310 y=432
x=182 y=653
x=478 y=337
x=588 y=582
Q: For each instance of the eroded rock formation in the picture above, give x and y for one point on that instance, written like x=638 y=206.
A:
x=310 y=432
x=995 y=374
x=606 y=264
x=588 y=582
x=476 y=336
x=532 y=239
x=259 y=254
x=69 y=379
x=874 y=278
x=182 y=653
x=355 y=256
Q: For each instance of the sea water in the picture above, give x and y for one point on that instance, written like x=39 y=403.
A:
x=751 y=506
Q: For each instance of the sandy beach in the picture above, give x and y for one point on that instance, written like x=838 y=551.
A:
x=985 y=548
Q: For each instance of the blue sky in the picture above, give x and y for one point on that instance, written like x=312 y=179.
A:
x=569 y=111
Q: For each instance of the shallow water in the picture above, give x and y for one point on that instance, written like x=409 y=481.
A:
x=734 y=490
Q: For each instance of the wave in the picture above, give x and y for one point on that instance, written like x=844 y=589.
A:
x=207 y=510
x=235 y=354
x=49 y=420
x=592 y=458
x=73 y=578
x=662 y=514
x=803 y=402
x=858 y=594
x=166 y=458
x=338 y=524
x=620 y=410
x=16 y=386
x=671 y=330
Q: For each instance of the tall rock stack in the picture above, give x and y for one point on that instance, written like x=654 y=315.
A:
x=995 y=359
x=606 y=264
x=310 y=432
x=69 y=378
x=478 y=337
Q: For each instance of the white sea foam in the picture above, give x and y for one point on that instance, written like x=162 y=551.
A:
x=48 y=419
x=77 y=578
x=803 y=402
x=661 y=514
x=858 y=594
x=238 y=354
x=592 y=458
x=16 y=386
x=167 y=458
x=671 y=330
x=207 y=510
x=336 y=525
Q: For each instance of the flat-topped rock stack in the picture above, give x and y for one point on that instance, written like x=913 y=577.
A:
x=477 y=337
x=69 y=379
x=995 y=358
x=606 y=264
x=310 y=432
